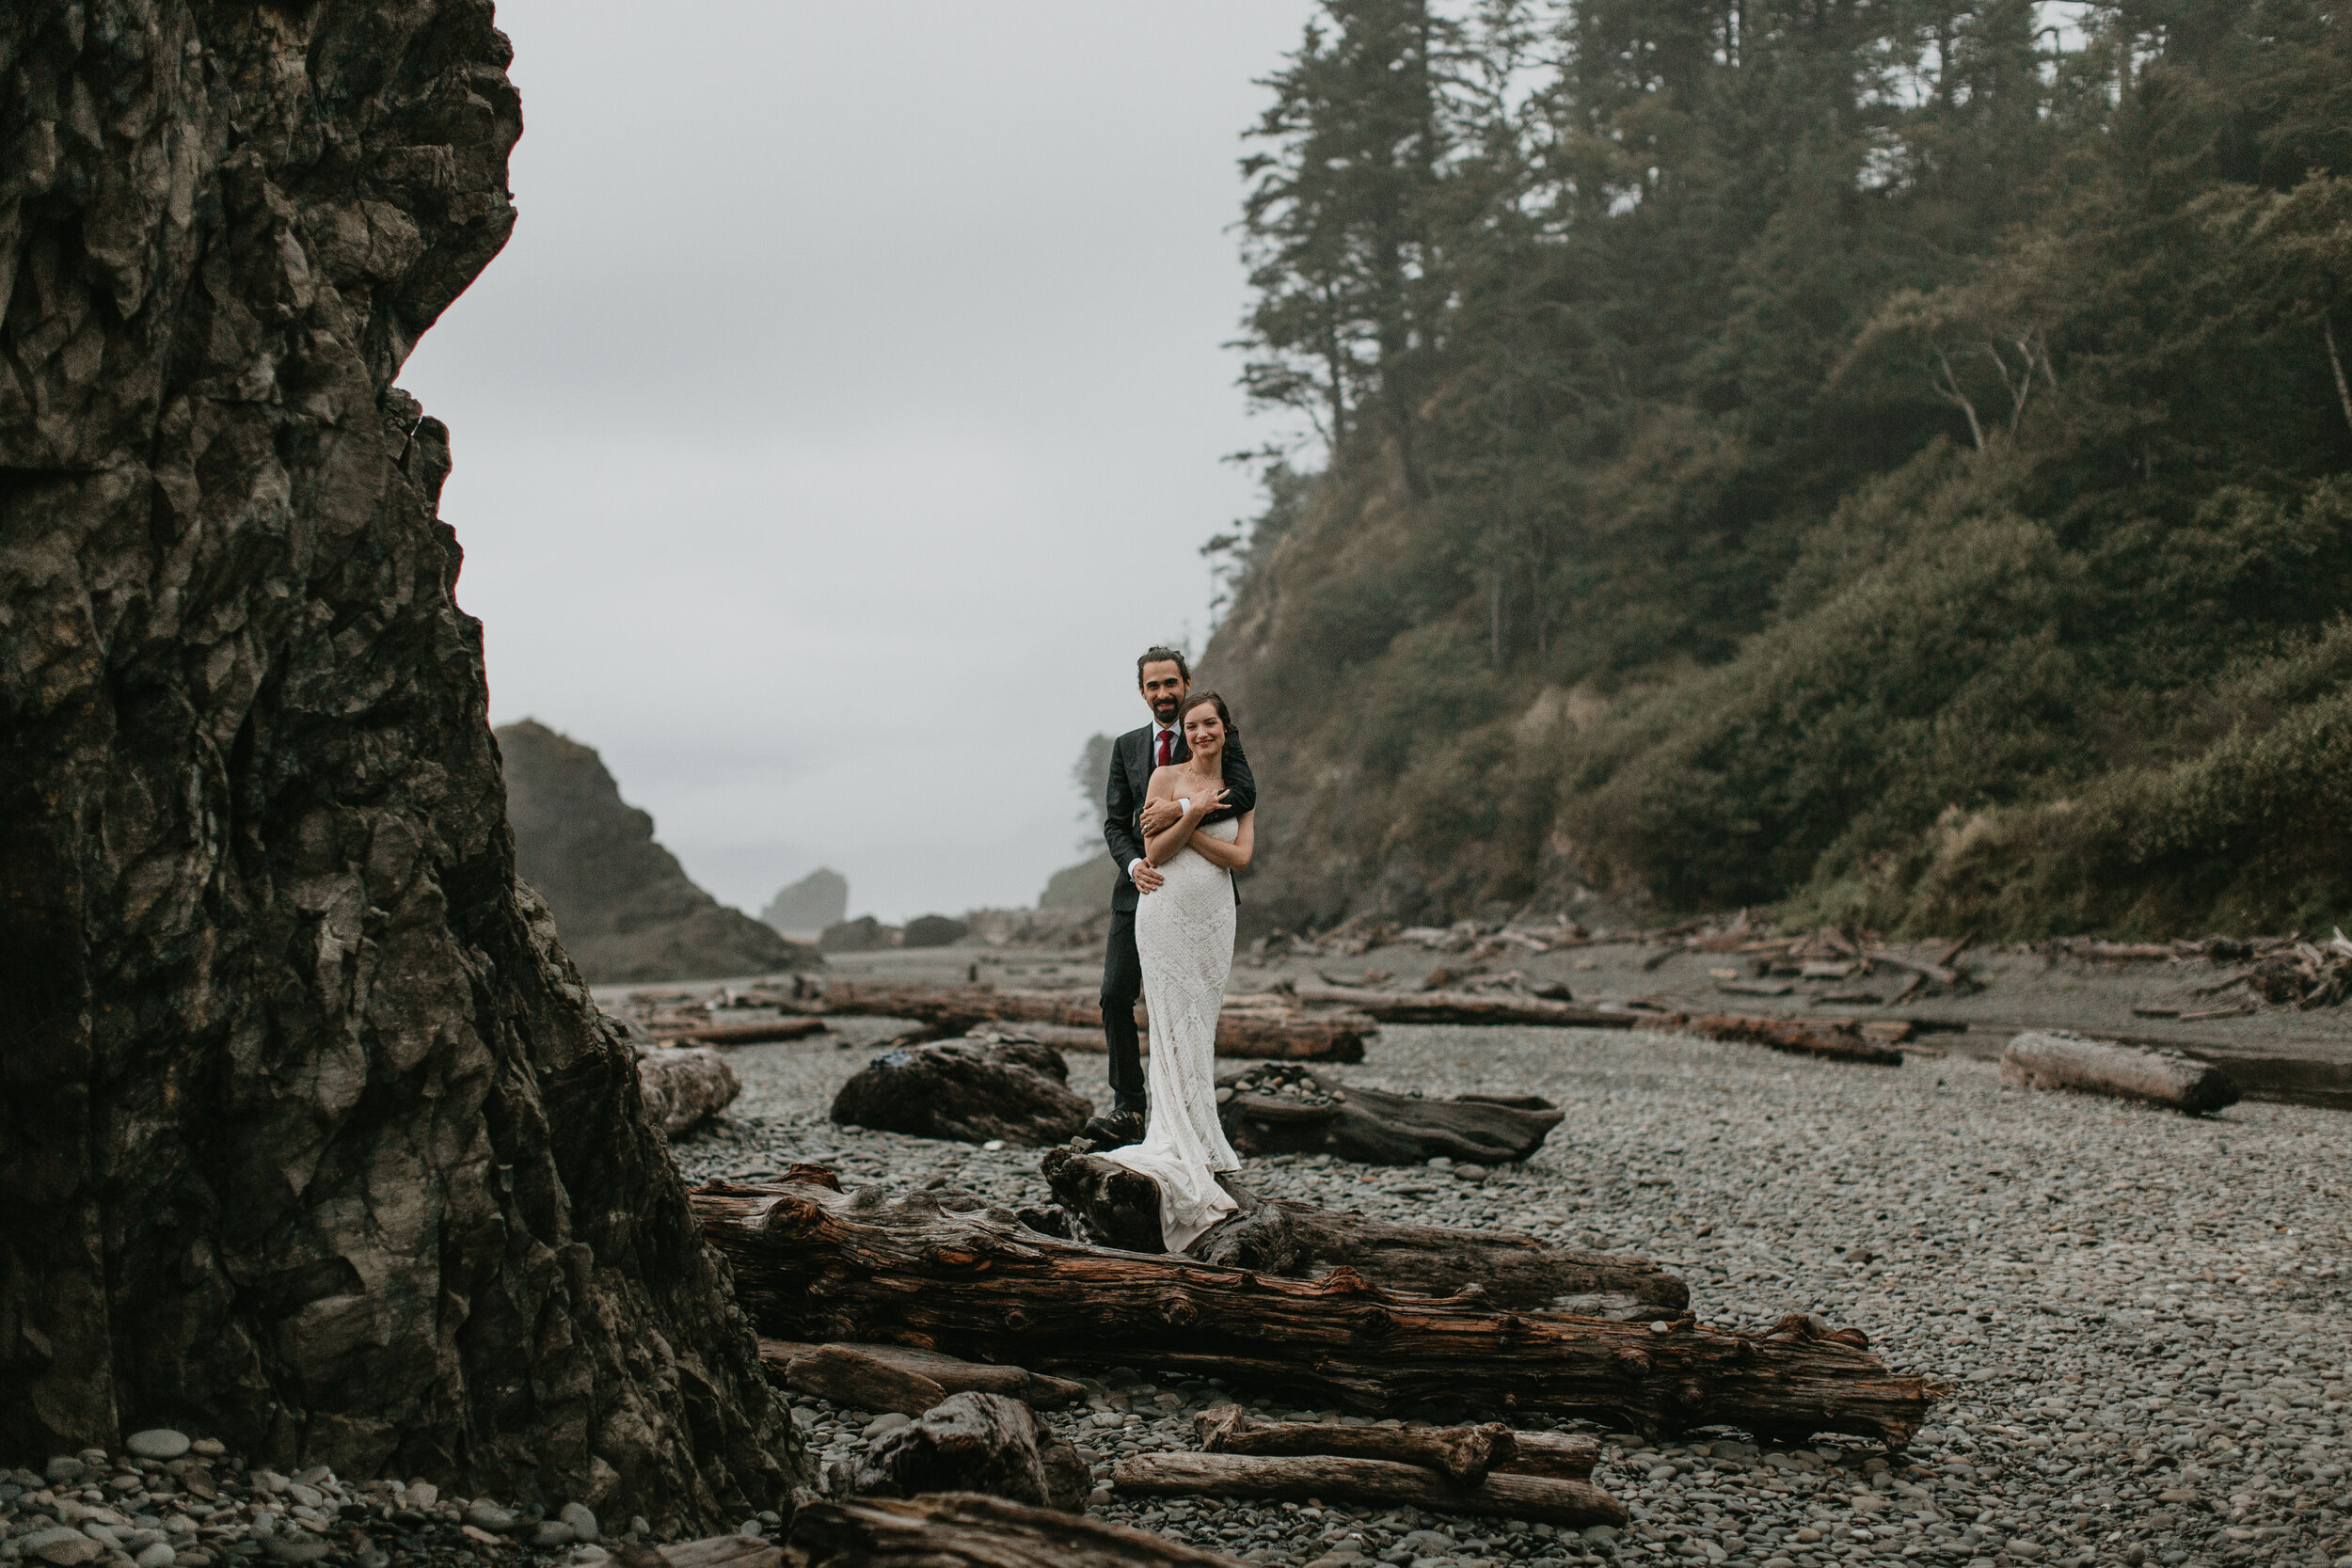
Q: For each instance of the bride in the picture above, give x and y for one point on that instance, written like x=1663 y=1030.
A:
x=1184 y=936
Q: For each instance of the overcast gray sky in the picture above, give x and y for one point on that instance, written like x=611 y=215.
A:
x=846 y=412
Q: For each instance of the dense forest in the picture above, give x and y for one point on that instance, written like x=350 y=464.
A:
x=1883 y=459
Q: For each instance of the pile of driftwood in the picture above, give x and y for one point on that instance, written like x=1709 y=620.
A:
x=2286 y=971
x=813 y=1264
x=1489 y=1469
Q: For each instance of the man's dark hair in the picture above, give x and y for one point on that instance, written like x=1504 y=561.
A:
x=1163 y=656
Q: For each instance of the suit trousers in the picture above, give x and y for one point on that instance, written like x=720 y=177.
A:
x=1123 y=984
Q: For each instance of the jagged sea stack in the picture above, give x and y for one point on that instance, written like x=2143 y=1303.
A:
x=624 y=907
x=309 y=1137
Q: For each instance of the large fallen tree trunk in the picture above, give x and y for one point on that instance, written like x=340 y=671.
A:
x=944 y=1011
x=1287 y=1110
x=969 y=1090
x=963 y=1530
x=1507 y=1270
x=2046 y=1060
x=810 y=1263
x=1378 y=1481
x=1463 y=1454
x=1463 y=1007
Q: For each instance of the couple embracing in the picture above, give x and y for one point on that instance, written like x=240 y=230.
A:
x=1179 y=814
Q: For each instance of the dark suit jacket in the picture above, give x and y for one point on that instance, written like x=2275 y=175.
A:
x=1131 y=778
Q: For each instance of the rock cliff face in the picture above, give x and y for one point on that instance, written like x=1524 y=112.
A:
x=624 y=907
x=310 y=1136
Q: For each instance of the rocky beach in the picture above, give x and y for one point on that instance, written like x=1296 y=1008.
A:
x=2140 y=1316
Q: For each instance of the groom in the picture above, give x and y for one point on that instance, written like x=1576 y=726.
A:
x=1162 y=677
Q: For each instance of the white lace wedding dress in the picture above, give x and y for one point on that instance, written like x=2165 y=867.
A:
x=1185 y=935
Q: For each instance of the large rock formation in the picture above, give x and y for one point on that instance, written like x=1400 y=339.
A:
x=625 y=908
x=311 y=1138
x=819 y=899
x=1083 y=886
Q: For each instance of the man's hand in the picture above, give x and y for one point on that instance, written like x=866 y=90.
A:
x=1146 y=876
x=1159 y=815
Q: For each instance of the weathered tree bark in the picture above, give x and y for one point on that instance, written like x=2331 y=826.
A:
x=812 y=1264
x=1383 y=1128
x=969 y=1443
x=955 y=1529
x=1504 y=1269
x=967 y=1090
x=1462 y=1454
x=310 y=1137
x=684 y=1087
x=1367 y=1481
x=905 y=1379
x=1797 y=1038
x=716 y=1551
x=953 y=1009
x=2042 y=1060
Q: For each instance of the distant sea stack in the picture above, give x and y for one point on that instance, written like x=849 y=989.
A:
x=1083 y=886
x=624 y=907
x=819 y=899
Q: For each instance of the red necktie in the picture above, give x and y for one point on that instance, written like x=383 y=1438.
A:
x=1165 y=737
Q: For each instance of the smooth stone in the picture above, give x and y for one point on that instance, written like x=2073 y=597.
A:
x=581 y=1518
x=59 y=1545
x=552 y=1532
x=294 y=1549
x=888 y=1420
x=490 y=1516
x=422 y=1494
x=160 y=1554
x=158 y=1442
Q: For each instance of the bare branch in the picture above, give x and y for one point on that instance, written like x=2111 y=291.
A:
x=1946 y=386
x=2335 y=362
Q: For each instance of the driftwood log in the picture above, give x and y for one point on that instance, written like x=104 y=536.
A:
x=715 y=1551
x=1504 y=1269
x=1464 y=1454
x=1283 y=1109
x=683 y=1086
x=810 y=1263
x=969 y=1090
x=944 y=1011
x=969 y=1443
x=2047 y=1060
x=1464 y=1007
x=742 y=1034
x=1838 y=1042
x=904 y=1378
x=958 y=1530
x=1378 y=1482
